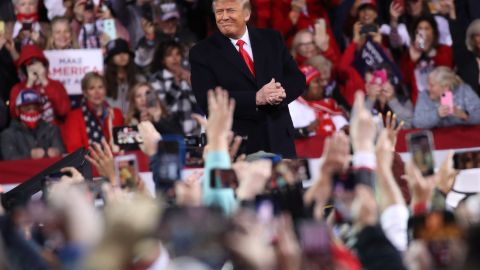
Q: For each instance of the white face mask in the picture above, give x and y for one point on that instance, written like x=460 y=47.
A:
x=89 y=27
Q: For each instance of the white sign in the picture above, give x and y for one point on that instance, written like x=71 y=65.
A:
x=69 y=66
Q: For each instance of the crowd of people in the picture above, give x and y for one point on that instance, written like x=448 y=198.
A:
x=403 y=64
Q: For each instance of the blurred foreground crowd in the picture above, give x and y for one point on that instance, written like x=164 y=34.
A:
x=415 y=59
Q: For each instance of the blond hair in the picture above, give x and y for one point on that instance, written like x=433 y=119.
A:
x=245 y=3
x=50 y=42
x=445 y=77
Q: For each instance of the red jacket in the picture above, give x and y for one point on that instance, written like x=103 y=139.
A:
x=442 y=58
x=54 y=91
x=74 y=131
x=348 y=76
x=316 y=9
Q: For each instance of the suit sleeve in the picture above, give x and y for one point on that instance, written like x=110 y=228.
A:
x=293 y=80
x=203 y=79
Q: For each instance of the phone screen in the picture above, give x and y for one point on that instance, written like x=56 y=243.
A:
x=171 y=157
x=223 y=178
x=447 y=100
x=315 y=240
x=126 y=171
x=127 y=137
x=466 y=160
x=109 y=28
x=420 y=145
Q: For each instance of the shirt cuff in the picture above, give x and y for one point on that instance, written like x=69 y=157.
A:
x=364 y=160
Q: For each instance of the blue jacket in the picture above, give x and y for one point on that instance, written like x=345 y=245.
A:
x=426 y=110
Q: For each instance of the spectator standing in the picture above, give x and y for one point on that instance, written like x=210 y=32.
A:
x=171 y=81
x=27 y=28
x=168 y=28
x=29 y=136
x=94 y=120
x=424 y=55
x=146 y=106
x=120 y=73
x=34 y=67
x=466 y=51
x=431 y=112
x=61 y=36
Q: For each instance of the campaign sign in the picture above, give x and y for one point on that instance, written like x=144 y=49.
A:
x=69 y=66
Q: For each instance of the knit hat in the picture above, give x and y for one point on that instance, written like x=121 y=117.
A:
x=117 y=46
x=310 y=73
x=27 y=97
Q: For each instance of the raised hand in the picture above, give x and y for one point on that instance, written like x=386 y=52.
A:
x=362 y=126
x=102 y=159
x=219 y=124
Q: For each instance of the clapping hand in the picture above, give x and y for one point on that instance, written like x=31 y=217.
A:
x=271 y=93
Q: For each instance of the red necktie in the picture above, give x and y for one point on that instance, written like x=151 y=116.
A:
x=245 y=56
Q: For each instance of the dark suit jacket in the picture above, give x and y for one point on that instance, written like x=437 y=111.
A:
x=216 y=62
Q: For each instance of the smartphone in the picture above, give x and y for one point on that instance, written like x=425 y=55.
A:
x=420 y=39
x=2 y=27
x=109 y=28
x=368 y=28
x=447 y=100
x=267 y=207
x=223 y=178
x=127 y=137
x=420 y=145
x=126 y=171
x=27 y=26
x=321 y=27
x=152 y=99
x=171 y=157
x=466 y=160
x=315 y=240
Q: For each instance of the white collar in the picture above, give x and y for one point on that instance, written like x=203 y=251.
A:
x=245 y=38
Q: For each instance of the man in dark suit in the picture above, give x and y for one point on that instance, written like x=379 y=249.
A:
x=255 y=67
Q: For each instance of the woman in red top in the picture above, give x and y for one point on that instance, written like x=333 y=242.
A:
x=94 y=119
x=423 y=55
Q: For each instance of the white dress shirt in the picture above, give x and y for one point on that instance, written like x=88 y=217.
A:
x=247 y=46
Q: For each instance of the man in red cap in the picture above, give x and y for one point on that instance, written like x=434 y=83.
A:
x=34 y=66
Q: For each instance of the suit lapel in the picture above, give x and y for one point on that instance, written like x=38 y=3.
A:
x=232 y=55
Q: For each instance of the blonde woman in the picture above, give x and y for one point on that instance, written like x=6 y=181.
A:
x=433 y=109
x=94 y=120
x=61 y=36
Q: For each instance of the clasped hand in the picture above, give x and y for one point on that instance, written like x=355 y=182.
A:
x=271 y=93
